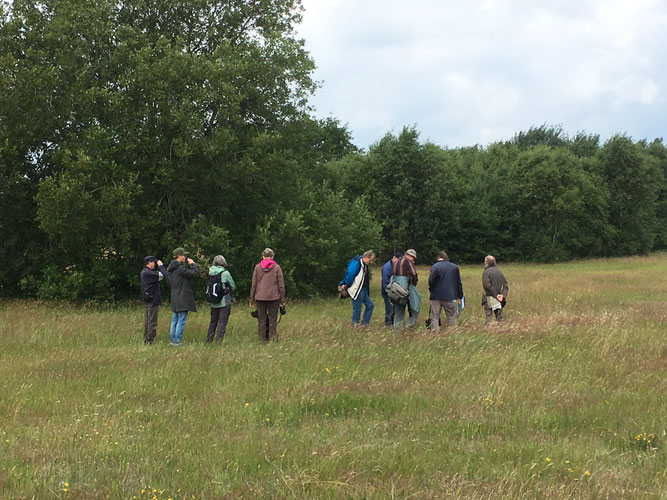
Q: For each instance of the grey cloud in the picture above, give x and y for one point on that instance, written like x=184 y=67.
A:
x=464 y=71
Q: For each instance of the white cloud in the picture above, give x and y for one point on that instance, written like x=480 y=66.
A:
x=462 y=71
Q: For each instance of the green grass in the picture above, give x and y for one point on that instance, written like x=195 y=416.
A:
x=566 y=400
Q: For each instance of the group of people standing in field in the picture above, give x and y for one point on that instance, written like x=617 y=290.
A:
x=399 y=290
x=267 y=292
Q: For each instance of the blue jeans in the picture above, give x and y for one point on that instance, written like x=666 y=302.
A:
x=178 y=320
x=388 y=311
x=362 y=299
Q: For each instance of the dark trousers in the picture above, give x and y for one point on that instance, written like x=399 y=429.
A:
x=388 y=310
x=150 y=323
x=267 y=314
x=489 y=313
x=219 y=318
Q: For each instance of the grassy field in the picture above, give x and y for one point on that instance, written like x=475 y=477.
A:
x=567 y=399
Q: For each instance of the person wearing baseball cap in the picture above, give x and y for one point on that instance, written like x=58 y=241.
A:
x=181 y=271
x=151 y=295
x=404 y=273
x=386 y=278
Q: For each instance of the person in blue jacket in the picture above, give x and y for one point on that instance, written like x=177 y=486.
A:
x=386 y=277
x=357 y=282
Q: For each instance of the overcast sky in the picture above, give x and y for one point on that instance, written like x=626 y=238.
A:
x=474 y=72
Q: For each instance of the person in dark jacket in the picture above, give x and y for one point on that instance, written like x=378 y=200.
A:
x=446 y=289
x=151 y=275
x=386 y=277
x=268 y=293
x=495 y=290
x=181 y=271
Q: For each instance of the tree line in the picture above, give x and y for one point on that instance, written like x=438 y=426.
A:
x=131 y=127
x=541 y=196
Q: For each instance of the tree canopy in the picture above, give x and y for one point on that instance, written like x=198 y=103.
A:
x=132 y=127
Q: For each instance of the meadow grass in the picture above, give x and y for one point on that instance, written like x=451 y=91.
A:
x=567 y=399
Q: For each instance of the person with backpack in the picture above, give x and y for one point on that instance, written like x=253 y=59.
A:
x=357 y=283
x=151 y=295
x=181 y=271
x=268 y=293
x=219 y=288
